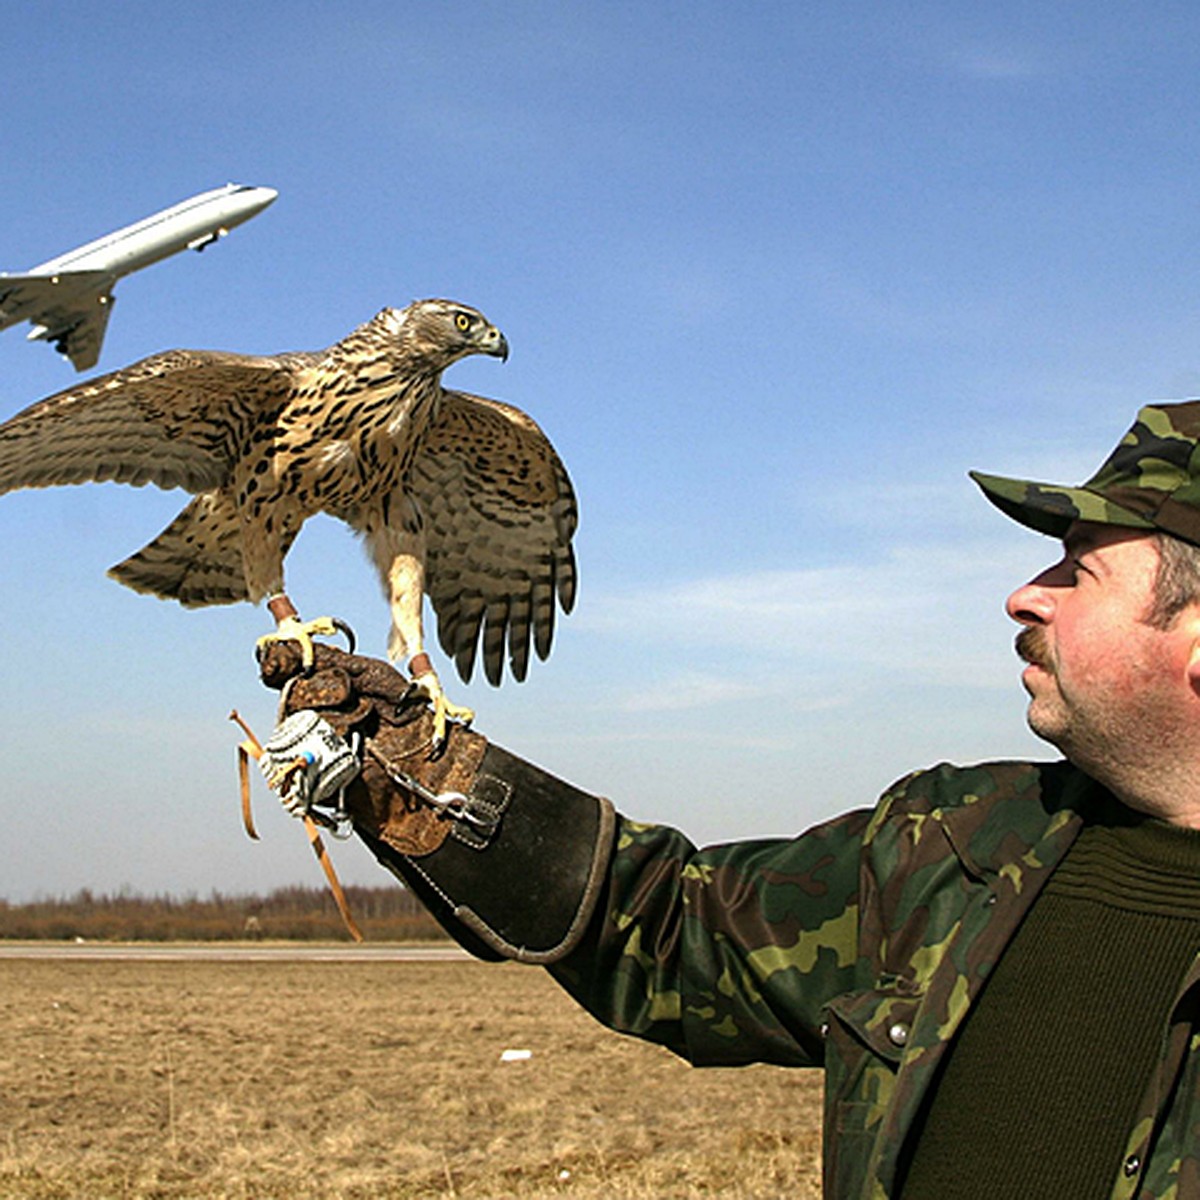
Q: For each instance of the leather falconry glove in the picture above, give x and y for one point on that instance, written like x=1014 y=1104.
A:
x=508 y=858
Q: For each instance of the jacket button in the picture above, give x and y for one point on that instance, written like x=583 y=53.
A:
x=898 y=1034
x=1133 y=1164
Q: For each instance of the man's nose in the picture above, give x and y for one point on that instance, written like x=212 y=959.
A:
x=1033 y=602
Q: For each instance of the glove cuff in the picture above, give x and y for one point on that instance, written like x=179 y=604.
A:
x=523 y=869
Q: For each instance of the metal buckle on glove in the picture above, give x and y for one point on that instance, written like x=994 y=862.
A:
x=455 y=805
x=458 y=807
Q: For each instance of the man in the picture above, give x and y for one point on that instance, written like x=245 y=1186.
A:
x=998 y=966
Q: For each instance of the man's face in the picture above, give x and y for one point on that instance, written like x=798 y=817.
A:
x=1109 y=690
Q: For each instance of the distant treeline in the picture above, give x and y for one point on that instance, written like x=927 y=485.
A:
x=384 y=914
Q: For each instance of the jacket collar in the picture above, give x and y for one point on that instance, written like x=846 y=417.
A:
x=1023 y=843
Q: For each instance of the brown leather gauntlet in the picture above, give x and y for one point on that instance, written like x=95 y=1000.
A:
x=509 y=859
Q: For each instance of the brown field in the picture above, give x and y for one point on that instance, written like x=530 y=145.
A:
x=267 y=1081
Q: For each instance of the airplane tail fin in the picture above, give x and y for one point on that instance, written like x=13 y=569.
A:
x=196 y=560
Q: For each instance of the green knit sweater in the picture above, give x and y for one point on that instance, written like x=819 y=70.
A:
x=1037 y=1095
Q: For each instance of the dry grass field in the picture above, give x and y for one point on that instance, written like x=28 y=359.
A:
x=266 y=1081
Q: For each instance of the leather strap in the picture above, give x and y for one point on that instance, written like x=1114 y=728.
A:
x=251 y=747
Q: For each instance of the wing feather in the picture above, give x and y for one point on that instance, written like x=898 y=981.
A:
x=458 y=632
x=518 y=641
x=496 y=626
x=543 y=615
x=173 y=419
x=499 y=516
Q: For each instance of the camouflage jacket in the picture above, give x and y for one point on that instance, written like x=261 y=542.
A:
x=859 y=947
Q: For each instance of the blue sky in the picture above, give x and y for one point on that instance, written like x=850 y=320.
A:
x=775 y=277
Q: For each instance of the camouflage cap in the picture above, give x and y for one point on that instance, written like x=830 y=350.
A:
x=1150 y=481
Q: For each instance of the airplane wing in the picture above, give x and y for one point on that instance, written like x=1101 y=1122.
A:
x=69 y=310
x=79 y=332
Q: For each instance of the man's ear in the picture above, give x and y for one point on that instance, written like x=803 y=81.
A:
x=1193 y=664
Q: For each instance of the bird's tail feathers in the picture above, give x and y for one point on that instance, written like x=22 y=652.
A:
x=196 y=560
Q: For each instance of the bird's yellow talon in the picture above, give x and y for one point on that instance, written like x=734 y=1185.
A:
x=292 y=629
x=430 y=687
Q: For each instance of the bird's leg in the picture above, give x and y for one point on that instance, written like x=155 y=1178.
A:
x=425 y=680
x=268 y=526
x=406 y=591
x=289 y=627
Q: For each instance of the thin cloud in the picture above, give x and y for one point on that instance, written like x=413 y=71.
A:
x=930 y=612
x=692 y=690
x=689 y=691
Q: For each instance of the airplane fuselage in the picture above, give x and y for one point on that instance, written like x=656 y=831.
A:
x=191 y=224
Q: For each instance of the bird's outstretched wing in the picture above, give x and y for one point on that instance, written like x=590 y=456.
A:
x=173 y=419
x=499 y=516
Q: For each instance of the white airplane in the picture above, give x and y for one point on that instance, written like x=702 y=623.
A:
x=68 y=299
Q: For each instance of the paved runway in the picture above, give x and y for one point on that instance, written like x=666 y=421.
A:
x=239 y=952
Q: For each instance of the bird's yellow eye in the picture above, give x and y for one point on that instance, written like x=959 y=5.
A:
x=463 y=322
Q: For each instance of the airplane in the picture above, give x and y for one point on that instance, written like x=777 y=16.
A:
x=67 y=299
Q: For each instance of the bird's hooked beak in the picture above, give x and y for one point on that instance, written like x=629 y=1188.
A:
x=493 y=342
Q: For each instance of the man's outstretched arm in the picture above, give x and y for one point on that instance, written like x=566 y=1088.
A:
x=726 y=955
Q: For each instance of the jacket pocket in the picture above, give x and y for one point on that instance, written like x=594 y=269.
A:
x=865 y=1038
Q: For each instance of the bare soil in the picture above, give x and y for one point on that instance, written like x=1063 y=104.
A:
x=347 y=1081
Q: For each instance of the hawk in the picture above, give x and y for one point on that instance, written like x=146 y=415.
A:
x=457 y=497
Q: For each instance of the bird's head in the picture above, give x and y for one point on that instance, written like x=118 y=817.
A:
x=442 y=331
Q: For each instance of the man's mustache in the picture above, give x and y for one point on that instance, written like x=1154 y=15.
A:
x=1031 y=646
